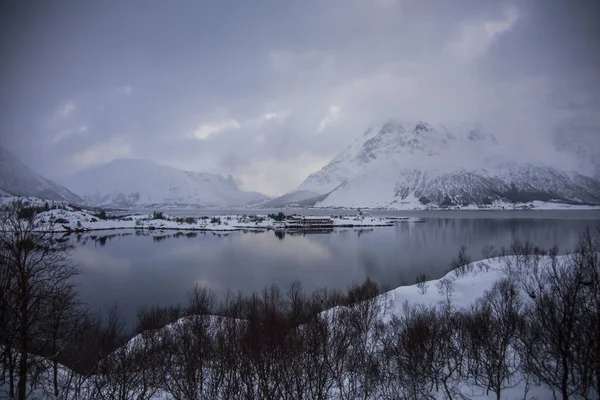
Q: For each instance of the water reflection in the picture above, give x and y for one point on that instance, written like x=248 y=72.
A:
x=132 y=268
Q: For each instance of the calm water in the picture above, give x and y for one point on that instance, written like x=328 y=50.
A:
x=131 y=269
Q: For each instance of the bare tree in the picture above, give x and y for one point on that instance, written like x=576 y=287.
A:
x=263 y=345
x=201 y=301
x=445 y=287
x=556 y=326
x=421 y=283
x=489 y=251
x=151 y=318
x=188 y=349
x=125 y=370
x=228 y=369
x=36 y=270
x=187 y=355
x=587 y=357
x=297 y=356
x=493 y=329
x=316 y=336
x=82 y=357
x=449 y=356
x=339 y=350
x=461 y=263
x=61 y=327
x=366 y=310
x=409 y=347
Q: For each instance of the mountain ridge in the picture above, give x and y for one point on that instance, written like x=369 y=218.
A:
x=17 y=179
x=126 y=182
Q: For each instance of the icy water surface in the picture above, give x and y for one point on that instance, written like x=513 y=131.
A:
x=132 y=269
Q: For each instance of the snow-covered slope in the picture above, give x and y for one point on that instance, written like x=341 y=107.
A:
x=131 y=183
x=408 y=165
x=420 y=142
x=16 y=179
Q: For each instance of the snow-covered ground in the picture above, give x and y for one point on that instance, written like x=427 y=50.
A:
x=467 y=287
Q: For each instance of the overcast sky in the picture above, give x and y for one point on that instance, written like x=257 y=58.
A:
x=269 y=91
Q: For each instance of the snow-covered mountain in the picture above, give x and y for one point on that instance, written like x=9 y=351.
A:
x=16 y=179
x=407 y=165
x=139 y=183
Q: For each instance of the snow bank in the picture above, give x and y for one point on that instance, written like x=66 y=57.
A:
x=467 y=288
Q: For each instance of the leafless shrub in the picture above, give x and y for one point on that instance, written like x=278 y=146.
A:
x=201 y=301
x=421 y=283
x=413 y=354
x=187 y=353
x=561 y=339
x=365 y=313
x=445 y=287
x=461 y=263
x=492 y=331
x=363 y=292
x=37 y=302
x=127 y=371
x=156 y=317
x=489 y=251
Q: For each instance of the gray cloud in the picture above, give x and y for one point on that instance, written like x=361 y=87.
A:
x=271 y=92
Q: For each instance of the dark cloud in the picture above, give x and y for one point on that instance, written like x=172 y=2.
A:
x=269 y=91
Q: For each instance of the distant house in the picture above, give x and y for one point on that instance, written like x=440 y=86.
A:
x=279 y=225
x=318 y=221
x=308 y=222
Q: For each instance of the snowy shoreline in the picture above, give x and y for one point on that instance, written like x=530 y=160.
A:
x=64 y=218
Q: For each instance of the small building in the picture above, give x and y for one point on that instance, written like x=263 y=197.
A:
x=318 y=221
x=279 y=225
x=308 y=222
